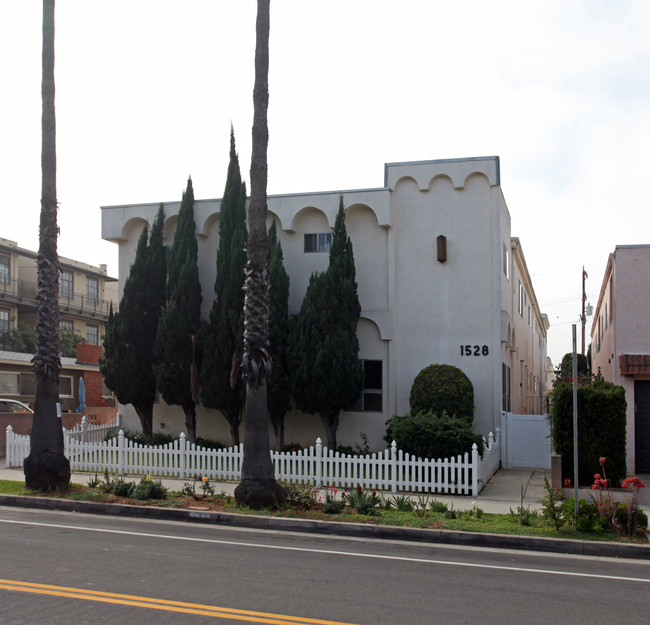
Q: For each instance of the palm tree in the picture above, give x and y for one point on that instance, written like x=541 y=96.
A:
x=46 y=467
x=258 y=488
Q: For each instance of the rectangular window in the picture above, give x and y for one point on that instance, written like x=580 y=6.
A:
x=92 y=334
x=506 y=262
x=4 y=269
x=4 y=320
x=505 y=387
x=65 y=386
x=520 y=302
x=529 y=316
x=66 y=325
x=92 y=290
x=27 y=384
x=318 y=242
x=8 y=383
x=371 y=399
x=66 y=285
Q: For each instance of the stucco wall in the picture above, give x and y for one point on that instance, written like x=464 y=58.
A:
x=415 y=310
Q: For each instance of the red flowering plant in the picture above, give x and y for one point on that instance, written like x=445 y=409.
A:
x=332 y=504
x=605 y=500
x=629 y=513
x=363 y=501
x=622 y=517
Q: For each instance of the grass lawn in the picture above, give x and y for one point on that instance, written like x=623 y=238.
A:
x=304 y=504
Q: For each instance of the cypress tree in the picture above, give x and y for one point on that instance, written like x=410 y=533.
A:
x=128 y=359
x=327 y=375
x=176 y=365
x=221 y=383
x=279 y=383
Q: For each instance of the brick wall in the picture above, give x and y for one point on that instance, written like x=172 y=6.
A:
x=88 y=354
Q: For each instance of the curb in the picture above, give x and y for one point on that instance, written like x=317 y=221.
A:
x=356 y=530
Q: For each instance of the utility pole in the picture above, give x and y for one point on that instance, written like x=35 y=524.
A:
x=583 y=318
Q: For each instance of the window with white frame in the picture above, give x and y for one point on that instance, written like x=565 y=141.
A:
x=5 y=275
x=318 y=242
x=4 y=320
x=66 y=286
x=92 y=290
x=92 y=334
x=371 y=399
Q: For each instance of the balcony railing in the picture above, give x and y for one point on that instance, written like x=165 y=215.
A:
x=23 y=292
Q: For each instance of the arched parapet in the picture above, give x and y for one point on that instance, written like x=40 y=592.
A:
x=117 y=221
x=289 y=209
x=272 y=217
x=206 y=215
x=458 y=170
x=311 y=216
x=361 y=210
x=382 y=320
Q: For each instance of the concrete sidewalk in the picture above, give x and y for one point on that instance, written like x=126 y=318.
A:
x=507 y=490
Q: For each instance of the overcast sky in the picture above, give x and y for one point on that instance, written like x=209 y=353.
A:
x=146 y=91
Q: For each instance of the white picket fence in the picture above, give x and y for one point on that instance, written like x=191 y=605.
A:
x=390 y=470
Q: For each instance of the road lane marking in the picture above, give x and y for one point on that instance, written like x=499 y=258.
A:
x=161 y=604
x=215 y=541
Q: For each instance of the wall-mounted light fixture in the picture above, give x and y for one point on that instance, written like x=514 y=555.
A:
x=441 y=246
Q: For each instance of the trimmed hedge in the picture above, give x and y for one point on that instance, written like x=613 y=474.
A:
x=428 y=435
x=601 y=430
x=443 y=388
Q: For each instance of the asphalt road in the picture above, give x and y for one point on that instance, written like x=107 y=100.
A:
x=79 y=569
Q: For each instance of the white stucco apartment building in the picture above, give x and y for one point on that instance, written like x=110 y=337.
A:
x=440 y=280
x=620 y=343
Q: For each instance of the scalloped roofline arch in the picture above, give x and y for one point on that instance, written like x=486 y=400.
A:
x=309 y=208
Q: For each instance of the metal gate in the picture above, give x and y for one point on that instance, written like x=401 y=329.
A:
x=527 y=440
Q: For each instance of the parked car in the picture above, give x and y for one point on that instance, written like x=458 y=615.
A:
x=13 y=405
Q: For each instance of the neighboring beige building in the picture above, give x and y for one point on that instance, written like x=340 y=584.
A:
x=440 y=280
x=85 y=295
x=620 y=343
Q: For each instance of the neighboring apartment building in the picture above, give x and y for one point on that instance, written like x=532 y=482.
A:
x=85 y=296
x=440 y=280
x=620 y=343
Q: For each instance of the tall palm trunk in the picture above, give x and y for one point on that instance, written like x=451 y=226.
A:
x=46 y=467
x=258 y=488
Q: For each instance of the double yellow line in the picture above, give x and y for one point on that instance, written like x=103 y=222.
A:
x=161 y=604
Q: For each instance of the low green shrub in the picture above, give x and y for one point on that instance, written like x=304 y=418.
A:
x=363 y=501
x=428 y=435
x=443 y=388
x=332 y=505
x=122 y=488
x=149 y=489
x=438 y=506
x=206 y=443
x=302 y=495
x=588 y=519
x=552 y=506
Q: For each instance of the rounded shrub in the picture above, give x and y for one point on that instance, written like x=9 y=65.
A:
x=428 y=435
x=443 y=388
